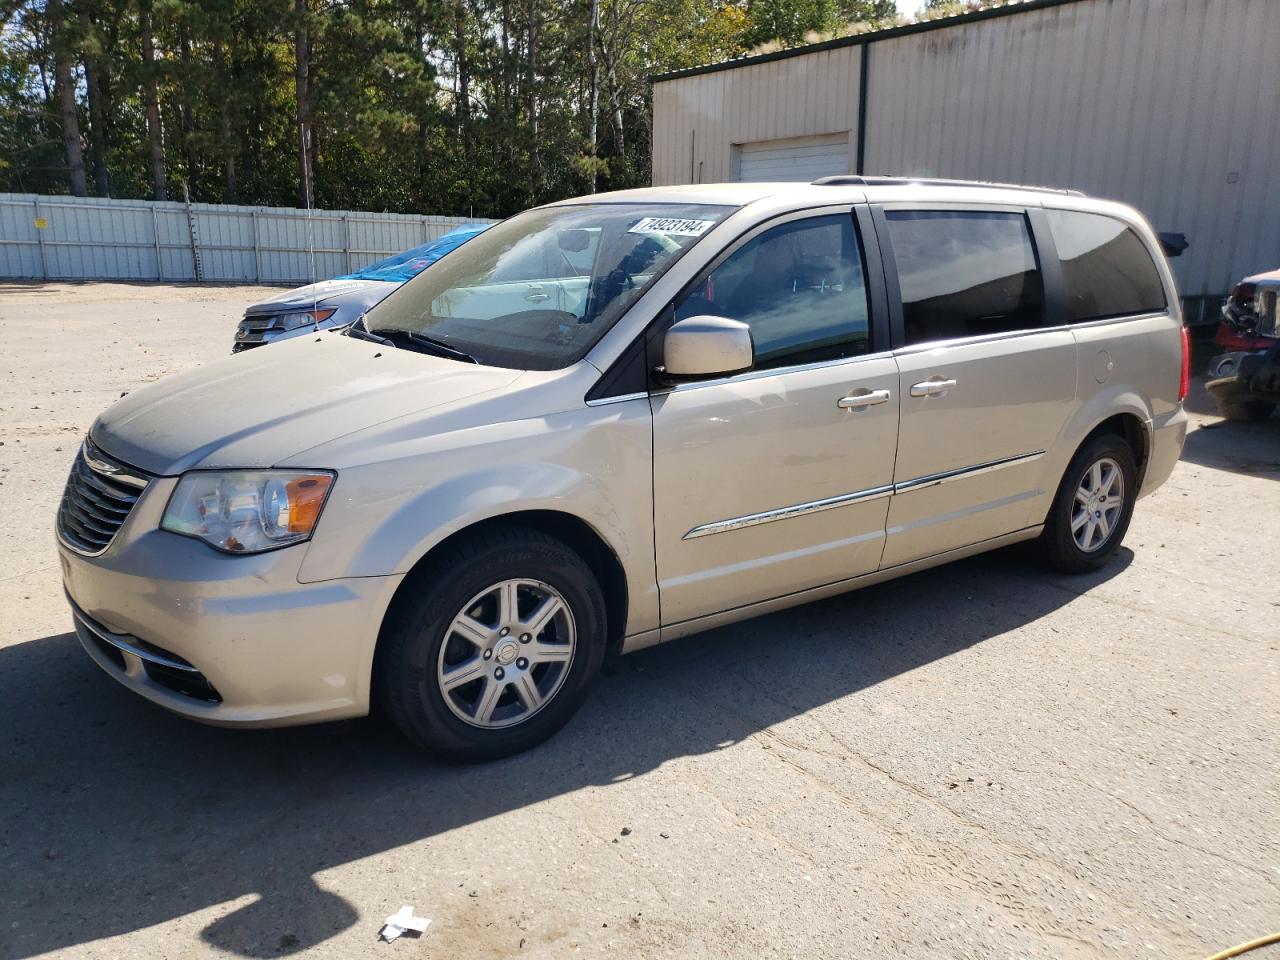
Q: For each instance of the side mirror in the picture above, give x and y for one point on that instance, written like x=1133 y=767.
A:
x=700 y=347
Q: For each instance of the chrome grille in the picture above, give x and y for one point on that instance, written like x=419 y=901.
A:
x=99 y=495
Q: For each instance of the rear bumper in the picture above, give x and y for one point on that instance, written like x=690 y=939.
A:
x=1168 y=435
x=227 y=640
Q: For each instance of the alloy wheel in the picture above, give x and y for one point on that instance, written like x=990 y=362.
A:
x=1097 y=506
x=507 y=653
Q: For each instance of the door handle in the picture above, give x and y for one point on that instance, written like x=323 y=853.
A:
x=861 y=401
x=933 y=387
x=537 y=295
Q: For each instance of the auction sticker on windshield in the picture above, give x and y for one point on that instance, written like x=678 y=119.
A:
x=673 y=226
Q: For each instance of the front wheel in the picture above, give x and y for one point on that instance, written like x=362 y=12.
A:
x=497 y=650
x=1092 y=508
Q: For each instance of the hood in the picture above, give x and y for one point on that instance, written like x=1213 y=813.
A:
x=1269 y=276
x=257 y=409
x=326 y=293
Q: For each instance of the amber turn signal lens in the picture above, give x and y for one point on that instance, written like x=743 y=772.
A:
x=306 y=497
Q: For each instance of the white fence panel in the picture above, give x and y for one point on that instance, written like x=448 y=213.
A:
x=78 y=238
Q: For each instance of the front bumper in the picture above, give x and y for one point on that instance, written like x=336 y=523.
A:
x=258 y=331
x=248 y=337
x=227 y=640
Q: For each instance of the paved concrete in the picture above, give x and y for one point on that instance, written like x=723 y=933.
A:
x=979 y=761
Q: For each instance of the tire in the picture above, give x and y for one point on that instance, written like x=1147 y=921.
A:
x=1246 y=411
x=1060 y=545
x=528 y=683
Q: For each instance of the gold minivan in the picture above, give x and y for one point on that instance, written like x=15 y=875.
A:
x=609 y=422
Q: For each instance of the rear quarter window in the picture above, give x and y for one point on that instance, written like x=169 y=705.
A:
x=1107 y=270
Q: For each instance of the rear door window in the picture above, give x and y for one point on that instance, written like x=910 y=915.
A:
x=965 y=273
x=1106 y=269
x=799 y=286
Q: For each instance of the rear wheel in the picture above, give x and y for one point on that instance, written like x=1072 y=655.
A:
x=1092 y=508
x=497 y=651
x=1246 y=410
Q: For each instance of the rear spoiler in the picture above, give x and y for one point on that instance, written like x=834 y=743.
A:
x=1173 y=243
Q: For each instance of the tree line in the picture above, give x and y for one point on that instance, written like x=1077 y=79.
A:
x=465 y=107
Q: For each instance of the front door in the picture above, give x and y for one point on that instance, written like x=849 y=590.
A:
x=985 y=388
x=777 y=480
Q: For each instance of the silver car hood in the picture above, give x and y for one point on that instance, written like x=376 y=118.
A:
x=257 y=409
x=328 y=292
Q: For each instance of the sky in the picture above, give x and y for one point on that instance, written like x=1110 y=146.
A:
x=909 y=8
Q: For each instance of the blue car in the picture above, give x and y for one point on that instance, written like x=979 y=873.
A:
x=337 y=302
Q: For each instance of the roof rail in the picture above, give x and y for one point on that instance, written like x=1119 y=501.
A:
x=841 y=180
x=854 y=180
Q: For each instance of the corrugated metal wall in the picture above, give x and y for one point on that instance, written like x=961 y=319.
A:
x=698 y=121
x=1170 y=105
x=99 y=239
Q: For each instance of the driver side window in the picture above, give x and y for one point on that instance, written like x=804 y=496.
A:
x=799 y=286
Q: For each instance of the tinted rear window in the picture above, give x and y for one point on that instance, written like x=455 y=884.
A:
x=964 y=273
x=1105 y=266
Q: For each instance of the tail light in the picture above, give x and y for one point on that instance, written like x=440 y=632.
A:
x=1184 y=382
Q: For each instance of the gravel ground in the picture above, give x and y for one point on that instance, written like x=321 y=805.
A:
x=978 y=761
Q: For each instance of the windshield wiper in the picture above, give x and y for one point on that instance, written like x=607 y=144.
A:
x=359 y=329
x=429 y=344
x=361 y=333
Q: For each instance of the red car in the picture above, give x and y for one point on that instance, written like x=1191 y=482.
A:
x=1249 y=316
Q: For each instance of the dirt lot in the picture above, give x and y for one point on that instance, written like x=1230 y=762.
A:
x=978 y=761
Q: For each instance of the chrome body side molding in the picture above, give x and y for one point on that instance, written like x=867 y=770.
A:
x=786 y=513
x=934 y=479
x=858 y=496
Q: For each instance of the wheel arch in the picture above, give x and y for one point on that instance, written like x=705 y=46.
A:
x=569 y=529
x=1133 y=430
x=1121 y=414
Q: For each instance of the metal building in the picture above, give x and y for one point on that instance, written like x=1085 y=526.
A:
x=1170 y=105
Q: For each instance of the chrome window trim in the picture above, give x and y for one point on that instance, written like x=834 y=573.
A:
x=774 y=371
x=859 y=496
x=928 y=345
x=1121 y=318
x=901 y=351
x=621 y=398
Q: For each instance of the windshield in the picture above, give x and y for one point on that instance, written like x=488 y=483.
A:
x=537 y=291
x=407 y=265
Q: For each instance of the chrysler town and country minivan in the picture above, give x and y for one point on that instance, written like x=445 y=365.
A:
x=609 y=422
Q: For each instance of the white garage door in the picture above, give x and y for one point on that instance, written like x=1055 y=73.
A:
x=802 y=159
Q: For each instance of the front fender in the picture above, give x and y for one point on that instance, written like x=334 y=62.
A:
x=437 y=512
x=593 y=464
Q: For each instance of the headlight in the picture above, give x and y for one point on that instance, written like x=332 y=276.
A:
x=247 y=511
x=292 y=321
